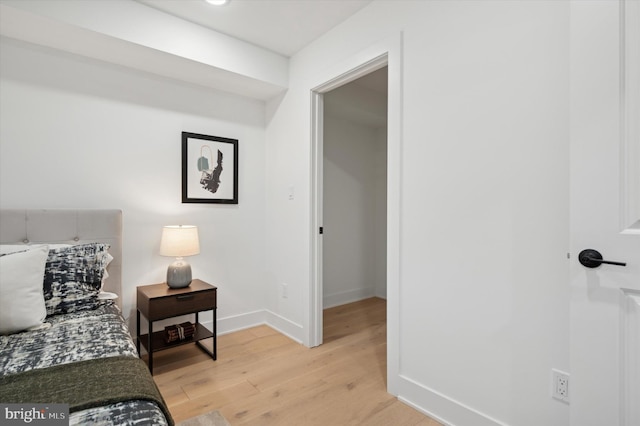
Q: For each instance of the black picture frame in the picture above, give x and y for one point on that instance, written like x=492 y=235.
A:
x=208 y=174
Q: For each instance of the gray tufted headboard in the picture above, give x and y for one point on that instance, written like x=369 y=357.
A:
x=65 y=226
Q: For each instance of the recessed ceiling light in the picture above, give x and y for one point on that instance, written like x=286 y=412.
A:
x=217 y=2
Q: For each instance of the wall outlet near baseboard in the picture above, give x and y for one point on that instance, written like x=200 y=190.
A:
x=285 y=290
x=560 y=385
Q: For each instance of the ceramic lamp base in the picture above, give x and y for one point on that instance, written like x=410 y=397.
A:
x=179 y=274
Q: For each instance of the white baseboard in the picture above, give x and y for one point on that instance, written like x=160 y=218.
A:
x=450 y=412
x=342 y=298
x=253 y=319
x=238 y=322
x=284 y=326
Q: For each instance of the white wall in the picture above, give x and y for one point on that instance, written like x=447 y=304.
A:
x=77 y=133
x=484 y=194
x=352 y=185
x=484 y=201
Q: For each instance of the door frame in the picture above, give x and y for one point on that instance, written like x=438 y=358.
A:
x=385 y=53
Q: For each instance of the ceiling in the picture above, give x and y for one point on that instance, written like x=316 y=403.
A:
x=282 y=26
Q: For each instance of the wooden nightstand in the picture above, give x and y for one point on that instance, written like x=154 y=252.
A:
x=158 y=301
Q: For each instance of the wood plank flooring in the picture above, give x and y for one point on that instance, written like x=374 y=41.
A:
x=264 y=378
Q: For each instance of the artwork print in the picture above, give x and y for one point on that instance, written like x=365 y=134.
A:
x=209 y=169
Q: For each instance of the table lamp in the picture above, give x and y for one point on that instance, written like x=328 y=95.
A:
x=179 y=241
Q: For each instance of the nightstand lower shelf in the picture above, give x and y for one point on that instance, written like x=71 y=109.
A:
x=159 y=343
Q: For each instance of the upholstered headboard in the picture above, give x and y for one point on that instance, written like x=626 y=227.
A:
x=64 y=226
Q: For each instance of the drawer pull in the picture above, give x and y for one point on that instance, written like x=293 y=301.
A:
x=185 y=297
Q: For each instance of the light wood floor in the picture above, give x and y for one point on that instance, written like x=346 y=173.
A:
x=264 y=378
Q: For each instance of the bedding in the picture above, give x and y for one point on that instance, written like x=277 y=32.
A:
x=77 y=337
x=121 y=379
x=83 y=330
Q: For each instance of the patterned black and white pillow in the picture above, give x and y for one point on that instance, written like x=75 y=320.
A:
x=73 y=277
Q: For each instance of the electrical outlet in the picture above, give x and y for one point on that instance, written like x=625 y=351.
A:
x=285 y=291
x=560 y=385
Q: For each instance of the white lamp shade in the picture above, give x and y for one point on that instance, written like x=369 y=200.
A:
x=179 y=241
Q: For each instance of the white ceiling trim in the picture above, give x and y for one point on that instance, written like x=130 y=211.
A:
x=148 y=40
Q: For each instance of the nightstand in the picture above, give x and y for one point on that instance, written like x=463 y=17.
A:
x=158 y=301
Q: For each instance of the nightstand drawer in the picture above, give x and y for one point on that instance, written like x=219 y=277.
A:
x=180 y=304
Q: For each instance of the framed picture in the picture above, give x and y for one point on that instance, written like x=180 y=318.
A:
x=209 y=169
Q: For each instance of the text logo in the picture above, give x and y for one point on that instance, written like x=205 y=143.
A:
x=34 y=414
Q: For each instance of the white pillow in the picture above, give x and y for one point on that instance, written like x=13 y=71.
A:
x=12 y=248
x=21 y=297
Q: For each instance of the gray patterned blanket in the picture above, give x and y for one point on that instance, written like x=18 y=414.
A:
x=76 y=337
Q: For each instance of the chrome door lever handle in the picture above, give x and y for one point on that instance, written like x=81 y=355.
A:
x=592 y=259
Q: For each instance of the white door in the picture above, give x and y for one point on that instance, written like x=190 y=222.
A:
x=605 y=212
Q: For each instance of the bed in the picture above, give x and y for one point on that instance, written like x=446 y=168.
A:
x=78 y=350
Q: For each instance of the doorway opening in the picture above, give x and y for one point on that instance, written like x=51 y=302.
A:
x=350 y=124
x=386 y=53
x=354 y=190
